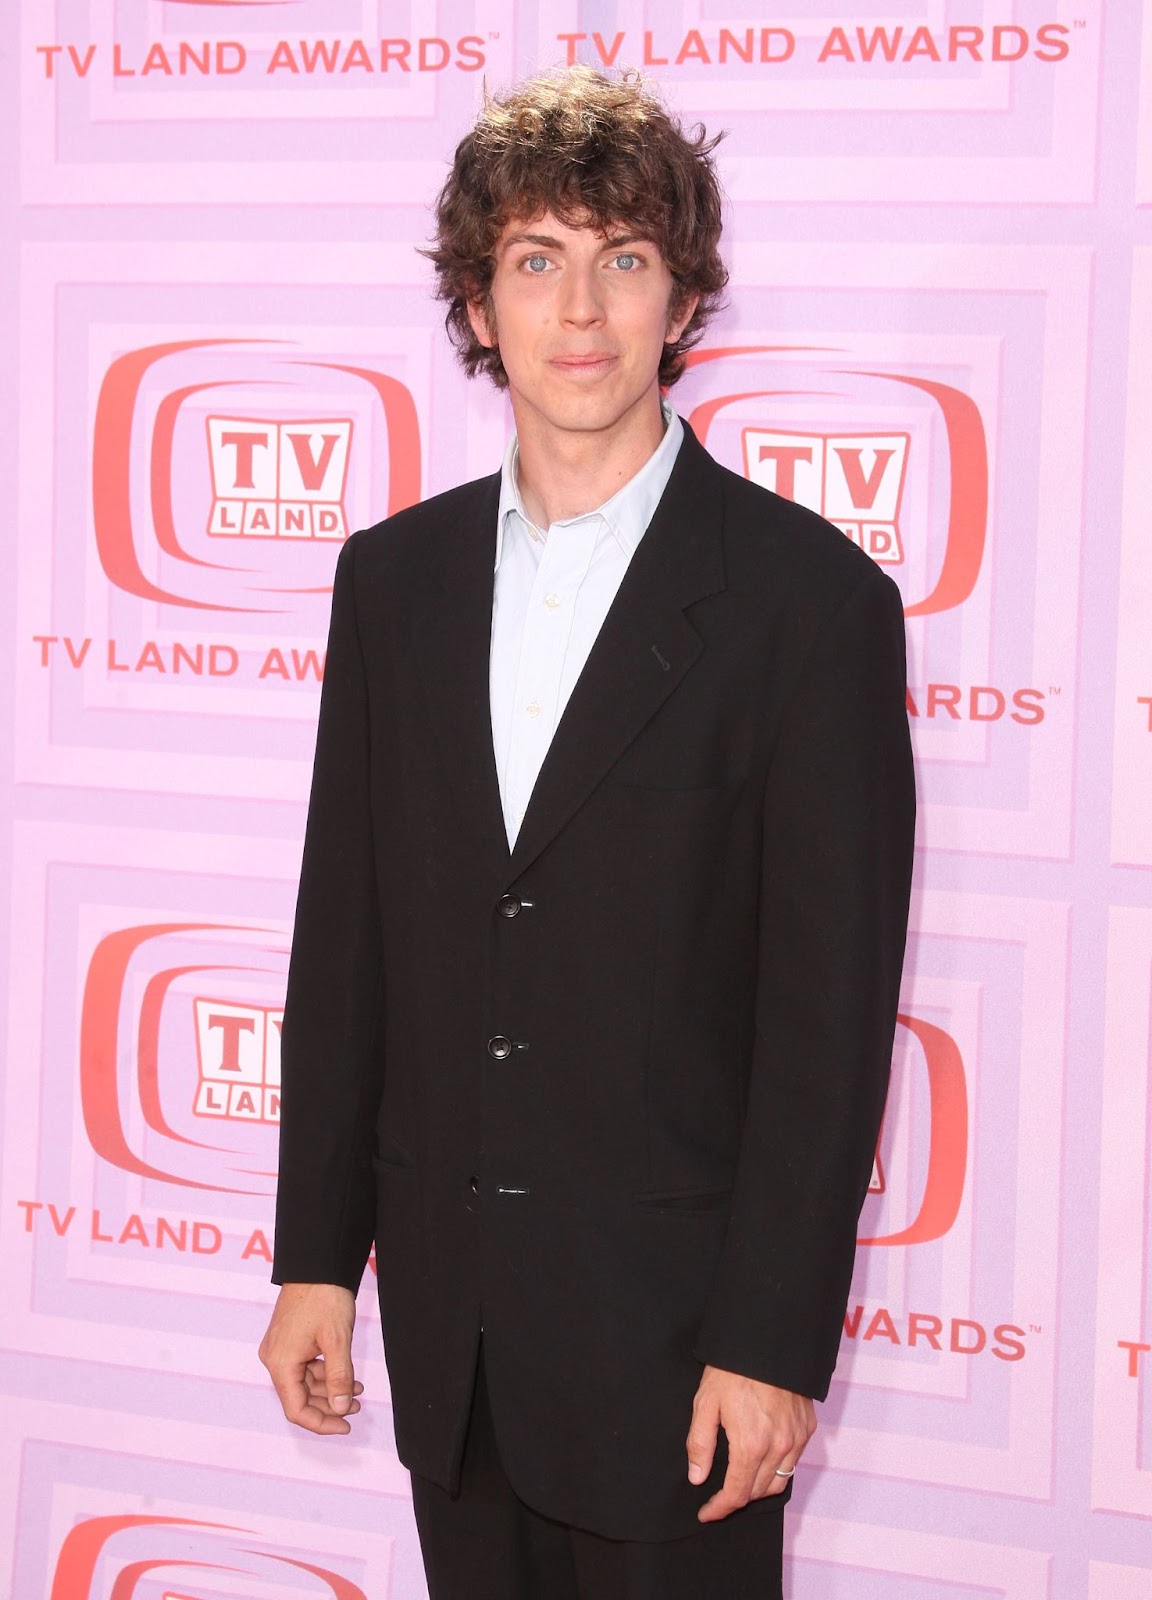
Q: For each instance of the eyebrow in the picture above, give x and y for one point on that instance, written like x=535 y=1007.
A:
x=548 y=243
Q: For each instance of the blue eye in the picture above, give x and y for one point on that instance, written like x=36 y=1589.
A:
x=627 y=261
x=536 y=264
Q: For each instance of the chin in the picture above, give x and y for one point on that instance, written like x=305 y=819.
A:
x=591 y=410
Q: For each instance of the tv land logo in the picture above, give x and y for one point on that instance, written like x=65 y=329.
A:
x=238 y=1054
x=827 y=473
x=175 y=1084
x=856 y=475
x=270 y=488
x=275 y=479
x=177 y=1558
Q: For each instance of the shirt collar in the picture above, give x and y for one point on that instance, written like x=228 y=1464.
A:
x=627 y=513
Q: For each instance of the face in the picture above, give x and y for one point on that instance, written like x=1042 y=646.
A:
x=581 y=320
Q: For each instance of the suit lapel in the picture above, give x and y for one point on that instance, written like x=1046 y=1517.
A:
x=642 y=652
x=453 y=639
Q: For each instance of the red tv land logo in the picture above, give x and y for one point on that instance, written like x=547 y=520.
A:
x=278 y=480
x=223 y=470
x=898 y=460
x=854 y=480
x=176 y=1084
x=238 y=1051
x=183 y=1558
x=939 y=1134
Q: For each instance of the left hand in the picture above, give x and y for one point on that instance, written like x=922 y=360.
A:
x=766 y=1428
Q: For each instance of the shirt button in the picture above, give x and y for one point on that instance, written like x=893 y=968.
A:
x=551 y=601
x=533 y=708
x=499 y=1047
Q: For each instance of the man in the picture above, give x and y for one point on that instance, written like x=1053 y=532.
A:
x=601 y=917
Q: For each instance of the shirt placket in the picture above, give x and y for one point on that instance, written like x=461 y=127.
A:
x=548 y=626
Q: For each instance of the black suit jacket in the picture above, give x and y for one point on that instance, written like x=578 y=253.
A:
x=616 y=1093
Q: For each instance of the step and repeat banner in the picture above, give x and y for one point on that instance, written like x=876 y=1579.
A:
x=221 y=356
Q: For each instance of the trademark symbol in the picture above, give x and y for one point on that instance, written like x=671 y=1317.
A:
x=1052 y=690
x=1034 y=1327
x=1079 y=22
x=492 y=35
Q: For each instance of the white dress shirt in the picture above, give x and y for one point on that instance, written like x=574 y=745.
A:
x=551 y=593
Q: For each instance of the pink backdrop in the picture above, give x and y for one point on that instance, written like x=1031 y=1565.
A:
x=222 y=354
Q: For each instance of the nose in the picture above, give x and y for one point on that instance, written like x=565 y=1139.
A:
x=581 y=298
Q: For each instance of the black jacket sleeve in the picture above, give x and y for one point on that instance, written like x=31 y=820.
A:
x=330 y=1051
x=838 y=814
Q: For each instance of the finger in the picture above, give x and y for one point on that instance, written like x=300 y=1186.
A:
x=321 y=1388
x=317 y=1386
x=314 y=1416
x=297 y=1406
x=774 y=1476
x=320 y=1403
x=778 y=1465
x=313 y=1420
x=317 y=1379
x=339 y=1373
x=701 y=1440
x=315 y=1369
x=734 y=1492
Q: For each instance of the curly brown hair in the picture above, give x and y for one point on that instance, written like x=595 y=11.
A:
x=596 y=152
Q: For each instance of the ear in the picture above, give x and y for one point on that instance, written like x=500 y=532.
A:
x=679 y=316
x=481 y=324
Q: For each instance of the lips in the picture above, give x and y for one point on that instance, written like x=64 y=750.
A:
x=593 y=362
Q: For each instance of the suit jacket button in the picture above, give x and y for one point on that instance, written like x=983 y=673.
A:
x=474 y=1184
x=508 y=905
x=499 y=1047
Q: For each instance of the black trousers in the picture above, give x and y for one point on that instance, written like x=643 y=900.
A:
x=486 y=1544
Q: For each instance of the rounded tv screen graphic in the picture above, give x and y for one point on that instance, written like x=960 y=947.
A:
x=183 y=1558
x=897 y=460
x=225 y=470
x=180 y=1053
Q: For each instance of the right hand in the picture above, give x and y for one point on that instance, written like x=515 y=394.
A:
x=308 y=1353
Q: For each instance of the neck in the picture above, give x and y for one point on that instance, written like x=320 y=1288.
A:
x=565 y=473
